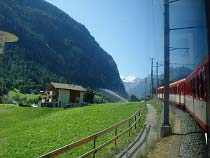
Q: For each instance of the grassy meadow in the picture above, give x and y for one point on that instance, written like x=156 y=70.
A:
x=30 y=132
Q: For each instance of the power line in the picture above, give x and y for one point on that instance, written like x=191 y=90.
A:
x=154 y=29
x=183 y=28
x=173 y=1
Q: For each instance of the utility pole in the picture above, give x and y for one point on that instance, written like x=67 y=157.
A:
x=152 y=83
x=166 y=129
x=145 y=91
x=157 y=79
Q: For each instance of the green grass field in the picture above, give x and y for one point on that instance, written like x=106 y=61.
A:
x=30 y=132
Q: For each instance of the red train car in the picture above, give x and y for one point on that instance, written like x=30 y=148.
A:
x=160 y=93
x=177 y=93
x=193 y=94
x=196 y=93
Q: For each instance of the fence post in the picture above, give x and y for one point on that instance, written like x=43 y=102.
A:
x=115 y=143
x=139 y=118
x=157 y=127
x=135 y=121
x=146 y=139
x=94 y=146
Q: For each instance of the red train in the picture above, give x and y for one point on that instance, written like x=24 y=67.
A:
x=192 y=93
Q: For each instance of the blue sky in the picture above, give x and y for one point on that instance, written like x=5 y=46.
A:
x=126 y=29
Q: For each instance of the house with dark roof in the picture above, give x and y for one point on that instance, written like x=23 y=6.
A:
x=62 y=95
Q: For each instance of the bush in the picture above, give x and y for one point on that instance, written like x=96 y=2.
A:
x=89 y=96
x=23 y=105
x=133 y=98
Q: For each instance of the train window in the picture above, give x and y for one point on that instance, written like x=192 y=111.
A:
x=188 y=89
x=182 y=89
x=197 y=87
x=193 y=87
x=202 y=85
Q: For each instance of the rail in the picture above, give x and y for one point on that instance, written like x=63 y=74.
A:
x=136 y=116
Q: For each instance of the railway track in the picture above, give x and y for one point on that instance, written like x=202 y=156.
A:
x=192 y=137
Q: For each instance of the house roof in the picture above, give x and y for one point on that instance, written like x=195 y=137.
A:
x=66 y=86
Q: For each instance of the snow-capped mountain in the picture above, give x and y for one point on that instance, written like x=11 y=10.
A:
x=128 y=79
x=135 y=86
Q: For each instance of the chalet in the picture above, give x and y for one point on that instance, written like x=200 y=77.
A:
x=62 y=95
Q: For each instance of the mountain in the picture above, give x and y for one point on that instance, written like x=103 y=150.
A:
x=52 y=47
x=136 y=86
x=179 y=73
x=129 y=79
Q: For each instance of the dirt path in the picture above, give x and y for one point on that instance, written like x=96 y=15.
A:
x=169 y=147
x=151 y=119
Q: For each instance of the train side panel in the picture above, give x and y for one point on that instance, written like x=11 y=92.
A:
x=198 y=93
x=208 y=97
x=197 y=108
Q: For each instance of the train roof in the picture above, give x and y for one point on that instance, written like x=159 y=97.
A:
x=198 y=67
x=174 y=83
x=161 y=87
x=180 y=81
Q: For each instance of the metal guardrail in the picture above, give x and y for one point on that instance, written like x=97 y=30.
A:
x=127 y=152
x=136 y=116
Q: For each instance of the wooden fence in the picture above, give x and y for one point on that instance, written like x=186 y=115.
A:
x=132 y=122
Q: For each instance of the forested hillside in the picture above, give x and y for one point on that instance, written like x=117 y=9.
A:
x=52 y=47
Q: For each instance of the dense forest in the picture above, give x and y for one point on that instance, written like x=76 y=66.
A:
x=52 y=47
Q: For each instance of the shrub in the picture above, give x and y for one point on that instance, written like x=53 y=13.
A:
x=23 y=105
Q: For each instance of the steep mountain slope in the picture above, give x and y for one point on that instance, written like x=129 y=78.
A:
x=53 y=46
